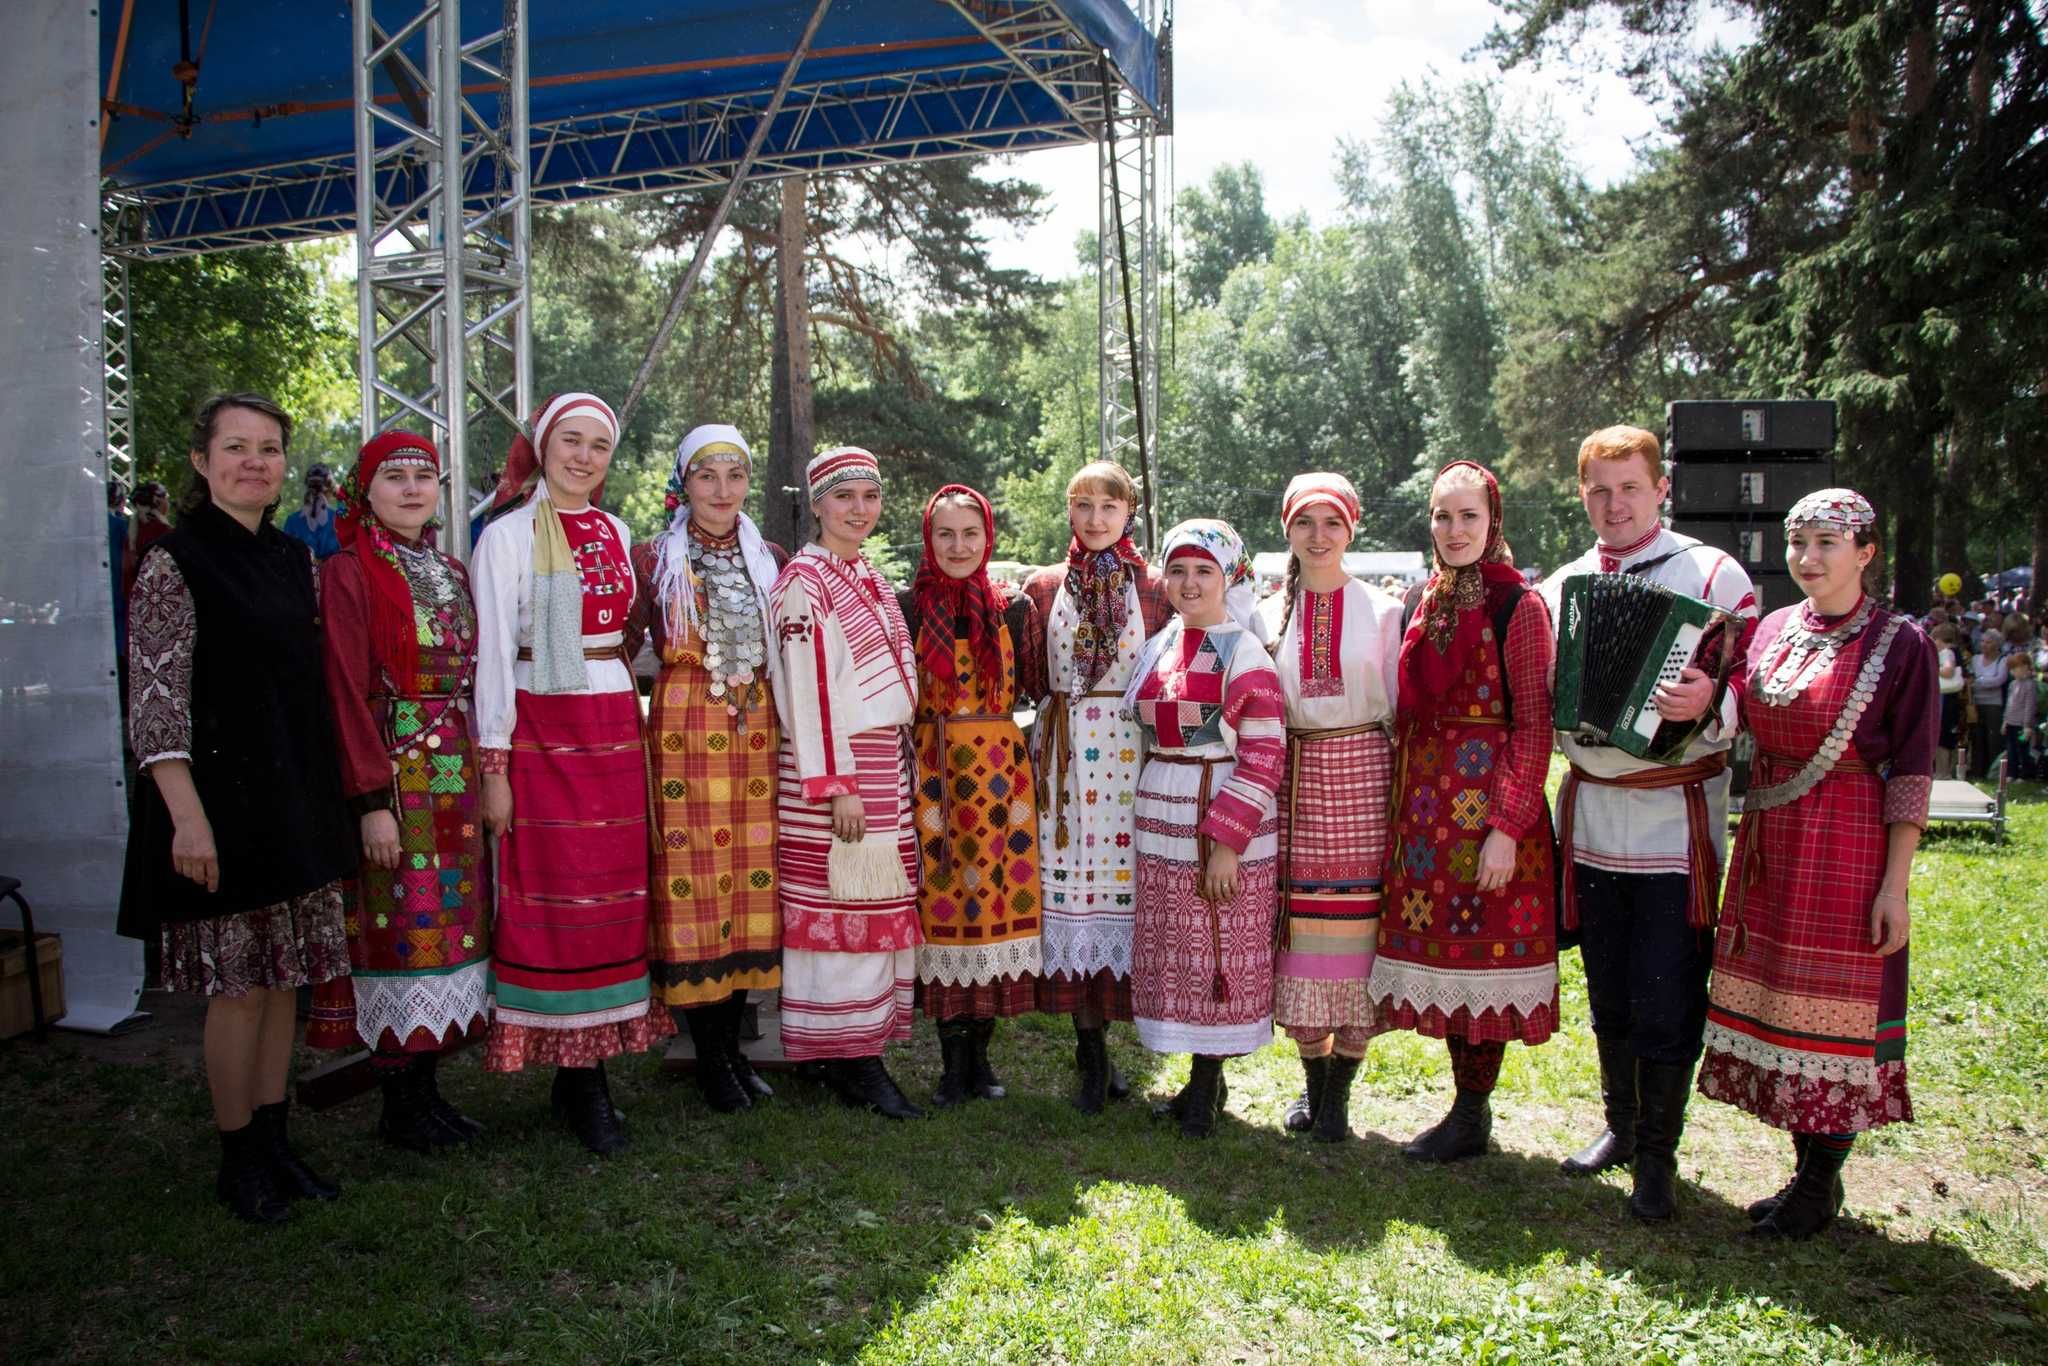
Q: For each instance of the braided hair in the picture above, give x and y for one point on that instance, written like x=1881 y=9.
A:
x=1291 y=587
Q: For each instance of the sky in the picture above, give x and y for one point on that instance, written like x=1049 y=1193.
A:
x=1278 y=82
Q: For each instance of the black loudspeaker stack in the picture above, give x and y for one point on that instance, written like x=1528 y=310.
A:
x=1737 y=467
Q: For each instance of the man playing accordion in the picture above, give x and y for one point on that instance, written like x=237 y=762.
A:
x=1641 y=844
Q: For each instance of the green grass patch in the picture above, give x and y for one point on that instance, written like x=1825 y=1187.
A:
x=1018 y=1231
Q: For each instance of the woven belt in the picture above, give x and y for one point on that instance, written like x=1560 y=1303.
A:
x=1704 y=868
x=617 y=652
x=1203 y=844
x=1057 y=746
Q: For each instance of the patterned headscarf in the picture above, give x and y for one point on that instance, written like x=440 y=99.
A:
x=1220 y=543
x=558 y=664
x=1843 y=510
x=1099 y=582
x=1451 y=615
x=394 y=633
x=1321 y=487
x=942 y=600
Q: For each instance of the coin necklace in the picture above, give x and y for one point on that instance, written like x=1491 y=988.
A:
x=735 y=647
x=1801 y=653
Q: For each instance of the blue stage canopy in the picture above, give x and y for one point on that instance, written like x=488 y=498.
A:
x=625 y=97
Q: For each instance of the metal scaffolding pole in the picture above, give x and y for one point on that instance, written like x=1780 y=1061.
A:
x=117 y=356
x=445 y=332
x=1128 y=246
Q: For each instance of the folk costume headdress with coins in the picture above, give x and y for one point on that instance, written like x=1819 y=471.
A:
x=1452 y=616
x=558 y=665
x=393 y=631
x=1808 y=643
x=942 y=601
x=735 y=571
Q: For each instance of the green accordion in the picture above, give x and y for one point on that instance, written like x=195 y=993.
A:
x=1618 y=637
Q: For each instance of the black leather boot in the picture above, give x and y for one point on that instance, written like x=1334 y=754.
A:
x=1759 y=1209
x=1204 y=1097
x=1617 y=1142
x=247 y=1183
x=1661 y=1090
x=1813 y=1200
x=1333 y=1111
x=1301 y=1111
x=462 y=1126
x=295 y=1180
x=407 y=1120
x=986 y=1083
x=1091 y=1064
x=721 y=1090
x=956 y=1080
x=1176 y=1106
x=865 y=1082
x=1460 y=1134
x=583 y=1101
x=736 y=1011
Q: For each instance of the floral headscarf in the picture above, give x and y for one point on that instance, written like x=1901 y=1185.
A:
x=1451 y=616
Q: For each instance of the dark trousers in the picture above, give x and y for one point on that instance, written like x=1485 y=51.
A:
x=1987 y=738
x=2019 y=755
x=1646 y=969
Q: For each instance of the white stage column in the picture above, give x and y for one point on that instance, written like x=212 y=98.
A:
x=63 y=811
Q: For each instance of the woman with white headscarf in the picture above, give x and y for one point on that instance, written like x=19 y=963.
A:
x=565 y=777
x=1215 y=727
x=716 y=931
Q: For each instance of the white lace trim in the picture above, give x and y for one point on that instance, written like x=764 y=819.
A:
x=1085 y=944
x=1229 y=1040
x=970 y=965
x=403 y=1004
x=1793 y=1062
x=1396 y=984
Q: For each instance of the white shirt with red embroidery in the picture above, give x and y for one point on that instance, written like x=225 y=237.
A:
x=1622 y=830
x=849 y=662
x=501 y=573
x=1340 y=663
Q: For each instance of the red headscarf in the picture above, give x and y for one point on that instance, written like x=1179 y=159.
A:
x=1448 y=621
x=394 y=635
x=942 y=600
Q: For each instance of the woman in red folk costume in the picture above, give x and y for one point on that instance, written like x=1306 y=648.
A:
x=565 y=776
x=978 y=651
x=401 y=657
x=1806 y=1025
x=1098 y=608
x=1468 y=948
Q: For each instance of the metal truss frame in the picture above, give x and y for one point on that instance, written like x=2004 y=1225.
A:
x=441 y=231
x=1129 y=251
x=117 y=353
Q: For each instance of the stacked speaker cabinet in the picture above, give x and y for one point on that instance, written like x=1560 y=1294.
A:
x=1737 y=467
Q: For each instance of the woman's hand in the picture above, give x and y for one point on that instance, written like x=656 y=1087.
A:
x=849 y=820
x=1219 y=879
x=1890 y=921
x=380 y=839
x=193 y=854
x=497 y=804
x=1496 y=861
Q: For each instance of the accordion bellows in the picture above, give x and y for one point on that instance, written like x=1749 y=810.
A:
x=1618 y=637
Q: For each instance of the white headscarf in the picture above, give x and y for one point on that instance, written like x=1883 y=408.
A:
x=672 y=588
x=1219 y=542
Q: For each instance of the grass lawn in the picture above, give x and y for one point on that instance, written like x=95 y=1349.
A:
x=1016 y=1230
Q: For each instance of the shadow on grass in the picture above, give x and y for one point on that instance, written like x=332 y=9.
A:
x=802 y=1230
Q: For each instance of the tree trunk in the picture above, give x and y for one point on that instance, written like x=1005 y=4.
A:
x=1913 y=574
x=2039 y=559
x=791 y=435
x=1952 y=508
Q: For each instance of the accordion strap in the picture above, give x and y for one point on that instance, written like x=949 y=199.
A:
x=1703 y=865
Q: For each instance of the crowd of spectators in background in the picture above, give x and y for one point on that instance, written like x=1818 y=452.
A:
x=1992 y=658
